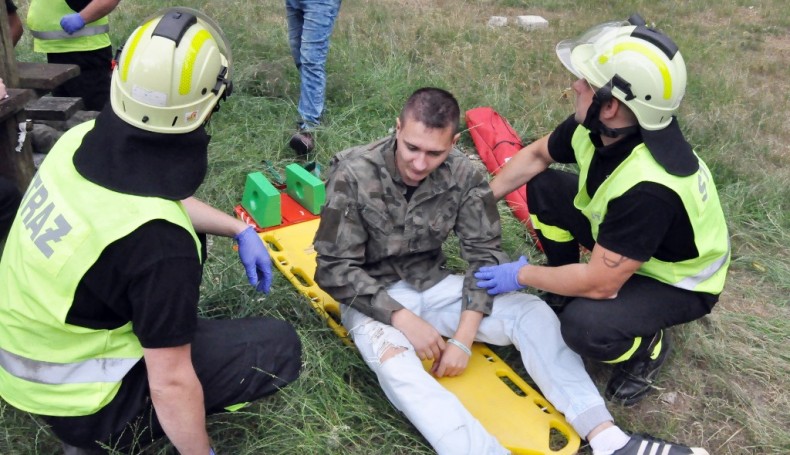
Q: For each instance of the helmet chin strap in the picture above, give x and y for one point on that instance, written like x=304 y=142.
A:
x=593 y=121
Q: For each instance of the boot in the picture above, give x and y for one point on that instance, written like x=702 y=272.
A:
x=632 y=380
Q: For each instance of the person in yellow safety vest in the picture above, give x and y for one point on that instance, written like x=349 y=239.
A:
x=76 y=32
x=101 y=273
x=643 y=203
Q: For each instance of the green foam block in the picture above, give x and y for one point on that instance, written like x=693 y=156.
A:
x=305 y=188
x=261 y=200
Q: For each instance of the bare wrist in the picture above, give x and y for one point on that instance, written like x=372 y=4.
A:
x=399 y=317
x=239 y=228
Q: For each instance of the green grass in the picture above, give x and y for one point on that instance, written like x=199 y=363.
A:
x=726 y=384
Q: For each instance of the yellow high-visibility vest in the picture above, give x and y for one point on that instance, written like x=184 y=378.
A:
x=43 y=20
x=704 y=273
x=48 y=366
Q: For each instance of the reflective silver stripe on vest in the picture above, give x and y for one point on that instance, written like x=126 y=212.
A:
x=60 y=34
x=691 y=282
x=87 y=371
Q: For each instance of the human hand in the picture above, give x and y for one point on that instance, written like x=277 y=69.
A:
x=427 y=342
x=453 y=361
x=255 y=258
x=71 y=23
x=501 y=278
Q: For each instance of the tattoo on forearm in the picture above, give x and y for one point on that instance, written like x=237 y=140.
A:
x=613 y=263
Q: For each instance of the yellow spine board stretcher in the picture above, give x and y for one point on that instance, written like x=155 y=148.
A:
x=515 y=413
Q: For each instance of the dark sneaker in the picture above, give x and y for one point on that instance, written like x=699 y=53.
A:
x=632 y=379
x=302 y=142
x=643 y=444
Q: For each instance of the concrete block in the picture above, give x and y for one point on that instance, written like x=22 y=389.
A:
x=497 y=21
x=532 y=22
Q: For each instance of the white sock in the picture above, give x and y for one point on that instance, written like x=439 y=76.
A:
x=609 y=440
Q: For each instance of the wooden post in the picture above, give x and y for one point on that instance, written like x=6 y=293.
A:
x=16 y=166
x=8 y=60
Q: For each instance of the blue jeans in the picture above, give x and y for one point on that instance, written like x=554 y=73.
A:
x=310 y=24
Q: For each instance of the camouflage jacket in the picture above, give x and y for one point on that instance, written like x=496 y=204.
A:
x=370 y=236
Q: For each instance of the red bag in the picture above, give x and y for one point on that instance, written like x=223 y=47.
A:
x=496 y=143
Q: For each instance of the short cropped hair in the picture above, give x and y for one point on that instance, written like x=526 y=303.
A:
x=433 y=107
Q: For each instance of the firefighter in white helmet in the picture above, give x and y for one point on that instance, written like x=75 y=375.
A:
x=99 y=331
x=643 y=203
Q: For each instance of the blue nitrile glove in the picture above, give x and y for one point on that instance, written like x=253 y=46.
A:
x=211 y=451
x=71 y=23
x=501 y=278
x=255 y=258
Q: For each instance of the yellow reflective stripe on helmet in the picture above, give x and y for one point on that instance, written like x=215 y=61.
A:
x=652 y=56
x=131 y=48
x=189 y=62
x=550 y=232
x=627 y=355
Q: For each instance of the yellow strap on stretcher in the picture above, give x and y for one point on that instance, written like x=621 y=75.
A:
x=515 y=413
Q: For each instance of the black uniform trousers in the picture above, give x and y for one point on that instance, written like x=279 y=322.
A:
x=237 y=361
x=10 y=198
x=93 y=82
x=604 y=330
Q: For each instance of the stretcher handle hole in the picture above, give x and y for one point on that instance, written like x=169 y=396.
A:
x=302 y=277
x=273 y=244
x=558 y=440
x=282 y=261
x=333 y=310
x=512 y=385
x=542 y=406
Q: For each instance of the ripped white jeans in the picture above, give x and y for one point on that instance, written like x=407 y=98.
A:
x=517 y=318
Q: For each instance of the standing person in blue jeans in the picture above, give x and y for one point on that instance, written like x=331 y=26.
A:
x=310 y=24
